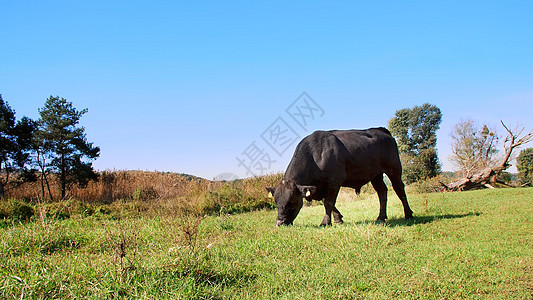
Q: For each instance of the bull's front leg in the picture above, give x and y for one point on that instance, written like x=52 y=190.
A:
x=329 y=205
x=329 y=209
x=337 y=217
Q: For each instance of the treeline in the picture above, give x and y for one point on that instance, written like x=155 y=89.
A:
x=33 y=150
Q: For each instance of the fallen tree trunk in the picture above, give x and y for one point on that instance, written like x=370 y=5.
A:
x=483 y=179
x=487 y=177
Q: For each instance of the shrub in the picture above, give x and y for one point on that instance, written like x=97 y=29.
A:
x=16 y=210
x=231 y=199
x=429 y=185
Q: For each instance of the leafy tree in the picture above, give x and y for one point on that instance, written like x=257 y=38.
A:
x=15 y=146
x=473 y=149
x=62 y=145
x=525 y=166
x=415 y=132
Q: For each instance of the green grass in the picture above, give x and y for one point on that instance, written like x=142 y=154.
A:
x=469 y=245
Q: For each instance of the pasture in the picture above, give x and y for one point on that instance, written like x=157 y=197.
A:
x=469 y=245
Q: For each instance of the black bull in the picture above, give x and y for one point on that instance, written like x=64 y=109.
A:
x=325 y=161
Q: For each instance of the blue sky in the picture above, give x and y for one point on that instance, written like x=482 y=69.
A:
x=188 y=86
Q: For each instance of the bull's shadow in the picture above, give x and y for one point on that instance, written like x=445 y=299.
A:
x=417 y=220
x=426 y=219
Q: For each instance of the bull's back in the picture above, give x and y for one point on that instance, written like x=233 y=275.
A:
x=356 y=155
x=372 y=150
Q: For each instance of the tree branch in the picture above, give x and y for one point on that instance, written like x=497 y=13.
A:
x=485 y=177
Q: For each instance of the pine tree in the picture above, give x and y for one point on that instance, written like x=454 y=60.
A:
x=15 y=147
x=62 y=145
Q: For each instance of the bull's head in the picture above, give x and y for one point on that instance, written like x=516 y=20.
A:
x=289 y=197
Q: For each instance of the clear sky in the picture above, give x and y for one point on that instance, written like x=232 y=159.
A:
x=190 y=86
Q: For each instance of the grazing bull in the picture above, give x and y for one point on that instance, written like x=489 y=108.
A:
x=326 y=160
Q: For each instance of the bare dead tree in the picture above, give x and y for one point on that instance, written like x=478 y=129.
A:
x=487 y=177
x=473 y=149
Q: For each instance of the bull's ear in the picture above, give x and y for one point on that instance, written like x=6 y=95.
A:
x=270 y=192
x=307 y=191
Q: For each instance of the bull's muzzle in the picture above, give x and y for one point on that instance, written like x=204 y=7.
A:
x=282 y=223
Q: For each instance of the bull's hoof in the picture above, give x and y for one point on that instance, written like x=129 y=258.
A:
x=340 y=221
x=326 y=221
x=409 y=218
x=380 y=222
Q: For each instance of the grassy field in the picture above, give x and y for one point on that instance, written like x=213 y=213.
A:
x=469 y=245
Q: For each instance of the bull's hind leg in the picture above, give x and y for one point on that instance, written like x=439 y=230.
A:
x=399 y=188
x=381 y=189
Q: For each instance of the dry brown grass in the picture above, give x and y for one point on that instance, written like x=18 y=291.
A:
x=160 y=190
x=122 y=185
